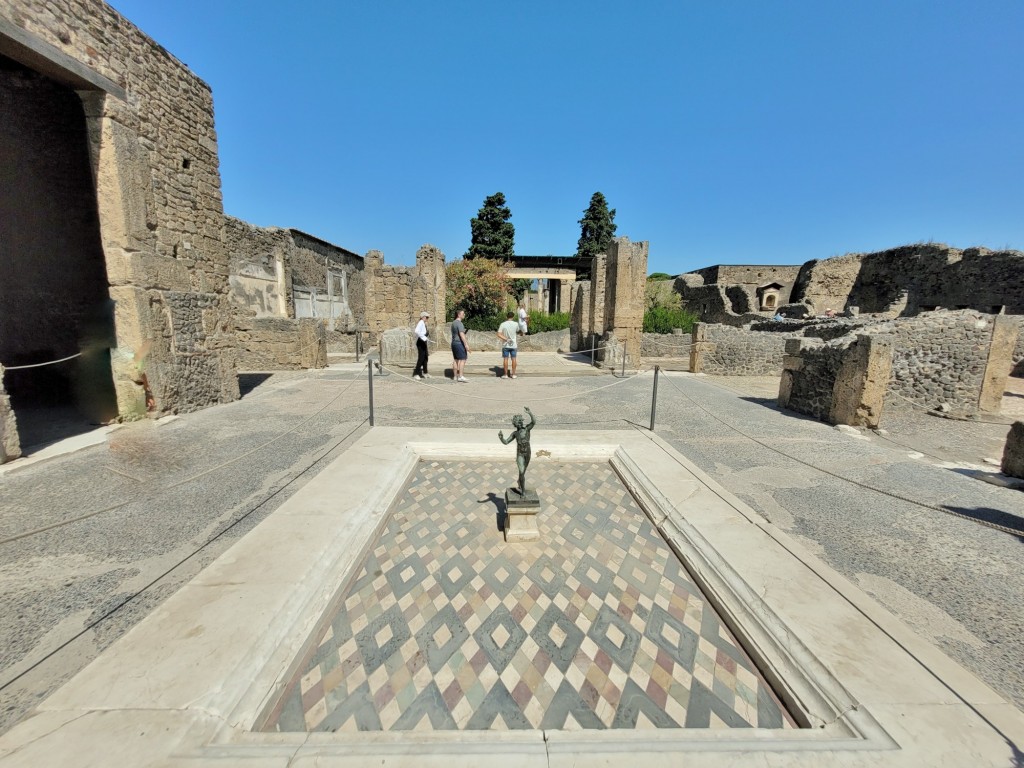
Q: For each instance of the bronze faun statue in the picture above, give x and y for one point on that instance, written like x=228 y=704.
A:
x=522 y=438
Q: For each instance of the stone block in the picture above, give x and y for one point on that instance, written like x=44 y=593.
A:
x=792 y=362
x=10 y=446
x=521 y=510
x=998 y=364
x=1013 y=452
x=146 y=270
x=793 y=346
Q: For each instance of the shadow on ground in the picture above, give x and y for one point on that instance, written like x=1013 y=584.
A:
x=247 y=382
x=994 y=516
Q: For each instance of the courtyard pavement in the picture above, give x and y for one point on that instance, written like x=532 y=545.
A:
x=91 y=542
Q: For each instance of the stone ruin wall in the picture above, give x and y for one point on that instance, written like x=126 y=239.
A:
x=267 y=265
x=10 y=447
x=671 y=345
x=281 y=344
x=580 y=318
x=915 y=278
x=727 y=351
x=717 y=303
x=626 y=269
x=809 y=375
x=956 y=359
x=160 y=221
x=1013 y=452
x=938 y=357
x=395 y=296
x=259 y=270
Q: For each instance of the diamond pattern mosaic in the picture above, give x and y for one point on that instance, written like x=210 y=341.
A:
x=597 y=625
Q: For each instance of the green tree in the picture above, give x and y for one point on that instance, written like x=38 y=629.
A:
x=518 y=287
x=479 y=286
x=492 y=234
x=597 y=228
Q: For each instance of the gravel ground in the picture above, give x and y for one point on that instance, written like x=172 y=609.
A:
x=170 y=497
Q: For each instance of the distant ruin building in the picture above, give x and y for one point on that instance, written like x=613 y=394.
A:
x=736 y=293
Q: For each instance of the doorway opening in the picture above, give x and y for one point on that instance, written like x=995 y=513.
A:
x=54 y=297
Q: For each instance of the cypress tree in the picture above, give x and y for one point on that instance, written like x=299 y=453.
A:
x=492 y=234
x=597 y=228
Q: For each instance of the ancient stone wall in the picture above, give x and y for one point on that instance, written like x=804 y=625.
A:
x=842 y=381
x=941 y=358
x=1013 y=451
x=810 y=370
x=10 y=447
x=580 y=319
x=624 y=299
x=259 y=268
x=393 y=297
x=281 y=343
x=154 y=161
x=287 y=273
x=665 y=345
x=713 y=304
x=729 y=351
x=916 y=278
x=958 y=361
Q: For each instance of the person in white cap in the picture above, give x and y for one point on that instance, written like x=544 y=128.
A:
x=420 y=372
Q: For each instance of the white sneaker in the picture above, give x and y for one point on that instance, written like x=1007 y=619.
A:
x=461 y=378
x=418 y=377
x=513 y=376
x=427 y=376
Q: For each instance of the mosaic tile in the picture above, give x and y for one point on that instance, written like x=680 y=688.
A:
x=596 y=625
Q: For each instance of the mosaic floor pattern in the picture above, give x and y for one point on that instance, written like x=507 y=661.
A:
x=596 y=625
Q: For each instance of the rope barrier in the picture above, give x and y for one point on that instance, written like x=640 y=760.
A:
x=40 y=365
x=924 y=505
x=422 y=384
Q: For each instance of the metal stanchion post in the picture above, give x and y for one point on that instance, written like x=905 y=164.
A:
x=357 y=346
x=369 y=372
x=623 y=362
x=593 y=349
x=654 y=396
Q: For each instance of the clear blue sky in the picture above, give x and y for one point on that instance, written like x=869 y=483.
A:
x=723 y=132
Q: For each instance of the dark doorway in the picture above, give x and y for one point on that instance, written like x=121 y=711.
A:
x=54 y=300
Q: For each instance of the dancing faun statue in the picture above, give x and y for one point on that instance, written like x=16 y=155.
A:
x=522 y=438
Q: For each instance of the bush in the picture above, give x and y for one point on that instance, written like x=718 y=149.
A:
x=485 y=322
x=479 y=286
x=539 y=322
x=664 y=319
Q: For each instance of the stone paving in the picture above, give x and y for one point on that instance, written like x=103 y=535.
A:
x=71 y=585
x=597 y=625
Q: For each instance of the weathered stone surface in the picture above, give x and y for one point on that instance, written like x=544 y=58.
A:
x=729 y=351
x=1005 y=333
x=10 y=447
x=1013 y=453
x=859 y=391
x=915 y=278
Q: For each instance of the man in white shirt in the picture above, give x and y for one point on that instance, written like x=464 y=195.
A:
x=507 y=333
x=420 y=371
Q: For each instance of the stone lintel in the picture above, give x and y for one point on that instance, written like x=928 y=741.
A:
x=47 y=59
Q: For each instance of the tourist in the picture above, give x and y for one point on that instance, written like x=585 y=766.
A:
x=460 y=346
x=522 y=320
x=507 y=333
x=422 y=337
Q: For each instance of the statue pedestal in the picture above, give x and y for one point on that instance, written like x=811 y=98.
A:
x=521 y=515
